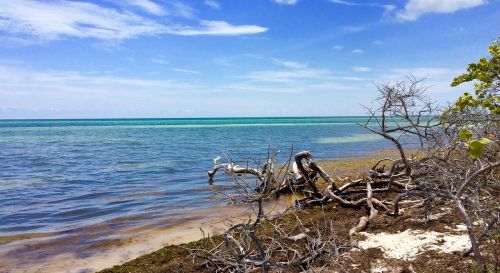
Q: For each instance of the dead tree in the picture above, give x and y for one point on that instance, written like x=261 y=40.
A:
x=402 y=110
x=443 y=172
x=249 y=246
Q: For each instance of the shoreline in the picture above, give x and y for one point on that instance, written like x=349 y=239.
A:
x=120 y=246
x=409 y=242
x=48 y=255
x=117 y=248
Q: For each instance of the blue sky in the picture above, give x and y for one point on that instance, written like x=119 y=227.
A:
x=206 y=58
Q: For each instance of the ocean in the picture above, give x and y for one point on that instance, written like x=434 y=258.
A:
x=60 y=179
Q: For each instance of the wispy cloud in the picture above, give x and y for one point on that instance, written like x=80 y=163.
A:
x=298 y=74
x=286 y=76
x=386 y=7
x=216 y=28
x=159 y=60
x=357 y=51
x=342 y=2
x=426 y=72
x=148 y=6
x=292 y=72
x=361 y=69
x=287 y=63
x=15 y=79
x=186 y=71
x=286 y=2
x=338 y=47
x=212 y=3
x=29 y=93
x=415 y=8
x=438 y=78
x=182 y=9
x=52 y=20
x=377 y=42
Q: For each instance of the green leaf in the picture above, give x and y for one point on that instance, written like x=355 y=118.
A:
x=465 y=134
x=476 y=149
x=484 y=140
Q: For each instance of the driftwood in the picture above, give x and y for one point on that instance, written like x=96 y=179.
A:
x=445 y=173
x=301 y=175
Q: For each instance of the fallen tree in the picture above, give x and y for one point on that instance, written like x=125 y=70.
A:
x=447 y=156
x=440 y=171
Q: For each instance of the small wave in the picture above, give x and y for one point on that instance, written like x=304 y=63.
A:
x=350 y=139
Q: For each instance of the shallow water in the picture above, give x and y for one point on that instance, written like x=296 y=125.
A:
x=62 y=179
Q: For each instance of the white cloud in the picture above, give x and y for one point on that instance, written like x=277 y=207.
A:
x=186 y=71
x=387 y=8
x=302 y=76
x=14 y=80
x=415 y=8
x=357 y=51
x=361 y=69
x=159 y=60
x=338 y=47
x=148 y=6
x=52 y=20
x=286 y=2
x=217 y=28
x=293 y=73
x=378 y=42
x=342 y=2
x=426 y=72
x=289 y=64
x=95 y=94
x=438 y=78
x=181 y=9
x=287 y=76
x=212 y=3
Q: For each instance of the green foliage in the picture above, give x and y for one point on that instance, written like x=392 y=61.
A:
x=465 y=134
x=476 y=149
x=485 y=100
x=486 y=74
x=483 y=141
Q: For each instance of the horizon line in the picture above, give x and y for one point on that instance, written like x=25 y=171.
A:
x=216 y=117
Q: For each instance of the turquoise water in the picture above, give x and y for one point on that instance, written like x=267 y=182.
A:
x=64 y=175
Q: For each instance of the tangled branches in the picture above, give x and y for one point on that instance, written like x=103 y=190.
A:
x=441 y=171
x=271 y=246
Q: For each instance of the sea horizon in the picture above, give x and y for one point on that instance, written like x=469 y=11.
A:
x=186 y=118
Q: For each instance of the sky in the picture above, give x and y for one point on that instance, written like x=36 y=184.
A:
x=230 y=58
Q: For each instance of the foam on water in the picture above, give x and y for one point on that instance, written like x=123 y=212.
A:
x=350 y=139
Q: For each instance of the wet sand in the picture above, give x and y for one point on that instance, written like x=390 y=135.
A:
x=103 y=245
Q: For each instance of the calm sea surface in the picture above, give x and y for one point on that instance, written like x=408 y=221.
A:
x=65 y=175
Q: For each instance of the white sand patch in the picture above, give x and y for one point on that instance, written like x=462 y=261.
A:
x=408 y=244
x=461 y=228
